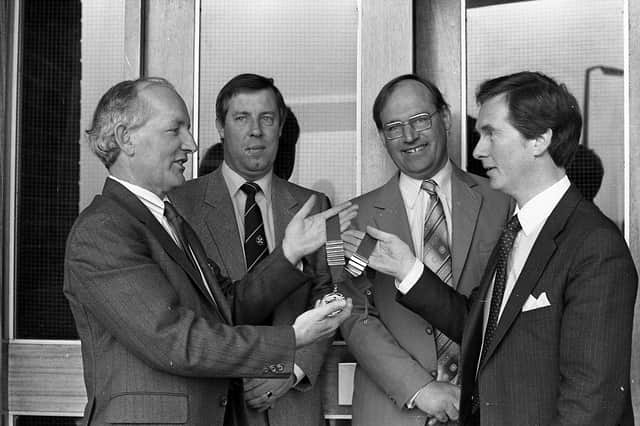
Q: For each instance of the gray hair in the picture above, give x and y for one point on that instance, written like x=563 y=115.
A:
x=119 y=105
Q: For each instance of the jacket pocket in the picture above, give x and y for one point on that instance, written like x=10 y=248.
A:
x=171 y=408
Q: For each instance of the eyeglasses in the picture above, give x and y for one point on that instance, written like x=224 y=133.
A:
x=419 y=122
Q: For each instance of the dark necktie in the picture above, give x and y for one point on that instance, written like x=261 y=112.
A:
x=255 y=239
x=195 y=253
x=505 y=244
x=437 y=257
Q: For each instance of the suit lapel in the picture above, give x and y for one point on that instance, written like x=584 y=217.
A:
x=220 y=218
x=391 y=215
x=134 y=206
x=284 y=207
x=540 y=255
x=464 y=216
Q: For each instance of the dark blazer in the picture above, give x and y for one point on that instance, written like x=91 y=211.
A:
x=206 y=203
x=155 y=349
x=394 y=347
x=564 y=364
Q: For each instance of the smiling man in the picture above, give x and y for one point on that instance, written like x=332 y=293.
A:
x=407 y=370
x=546 y=334
x=241 y=211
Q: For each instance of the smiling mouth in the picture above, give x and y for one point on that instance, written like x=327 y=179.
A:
x=415 y=149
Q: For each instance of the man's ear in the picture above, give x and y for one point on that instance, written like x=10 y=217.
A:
x=541 y=143
x=123 y=139
x=220 y=127
x=446 y=118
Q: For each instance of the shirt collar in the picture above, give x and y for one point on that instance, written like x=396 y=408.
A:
x=410 y=187
x=538 y=209
x=148 y=198
x=235 y=181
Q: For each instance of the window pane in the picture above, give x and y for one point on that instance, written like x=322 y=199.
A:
x=48 y=165
x=67 y=63
x=46 y=421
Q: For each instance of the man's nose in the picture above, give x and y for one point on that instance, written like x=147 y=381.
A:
x=188 y=142
x=410 y=134
x=479 y=151
x=256 y=129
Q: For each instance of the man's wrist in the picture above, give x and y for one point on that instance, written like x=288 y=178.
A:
x=411 y=278
x=289 y=253
x=412 y=402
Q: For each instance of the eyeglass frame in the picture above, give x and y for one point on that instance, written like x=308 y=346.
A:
x=403 y=124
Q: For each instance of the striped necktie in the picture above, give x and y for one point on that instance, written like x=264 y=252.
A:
x=437 y=258
x=255 y=239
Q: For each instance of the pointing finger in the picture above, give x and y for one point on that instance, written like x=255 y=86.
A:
x=334 y=210
x=378 y=234
x=306 y=207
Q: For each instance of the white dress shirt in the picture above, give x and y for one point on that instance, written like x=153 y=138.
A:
x=532 y=216
x=153 y=203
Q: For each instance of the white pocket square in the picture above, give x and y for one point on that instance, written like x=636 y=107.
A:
x=536 y=303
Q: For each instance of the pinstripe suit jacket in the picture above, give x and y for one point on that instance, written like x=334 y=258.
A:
x=565 y=364
x=155 y=349
x=394 y=347
x=205 y=202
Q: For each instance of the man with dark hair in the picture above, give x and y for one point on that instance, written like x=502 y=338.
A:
x=243 y=207
x=546 y=336
x=407 y=369
x=155 y=317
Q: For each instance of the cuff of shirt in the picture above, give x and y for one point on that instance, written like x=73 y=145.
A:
x=297 y=371
x=412 y=402
x=411 y=279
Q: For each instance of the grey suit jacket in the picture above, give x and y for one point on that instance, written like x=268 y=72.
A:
x=154 y=347
x=205 y=202
x=394 y=347
x=563 y=364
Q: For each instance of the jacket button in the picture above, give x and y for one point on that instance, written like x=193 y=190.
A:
x=429 y=330
x=223 y=401
x=434 y=374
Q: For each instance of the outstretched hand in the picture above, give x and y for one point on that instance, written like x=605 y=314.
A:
x=391 y=256
x=321 y=321
x=306 y=234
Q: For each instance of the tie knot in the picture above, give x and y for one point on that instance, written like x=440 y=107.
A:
x=430 y=186
x=514 y=226
x=250 y=188
x=170 y=212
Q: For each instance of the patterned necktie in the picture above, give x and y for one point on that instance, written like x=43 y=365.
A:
x=437 y=258
x=505 y=243
x=255 y=239
x=194 y=251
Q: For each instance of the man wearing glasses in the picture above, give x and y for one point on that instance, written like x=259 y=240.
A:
x=407 y=370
